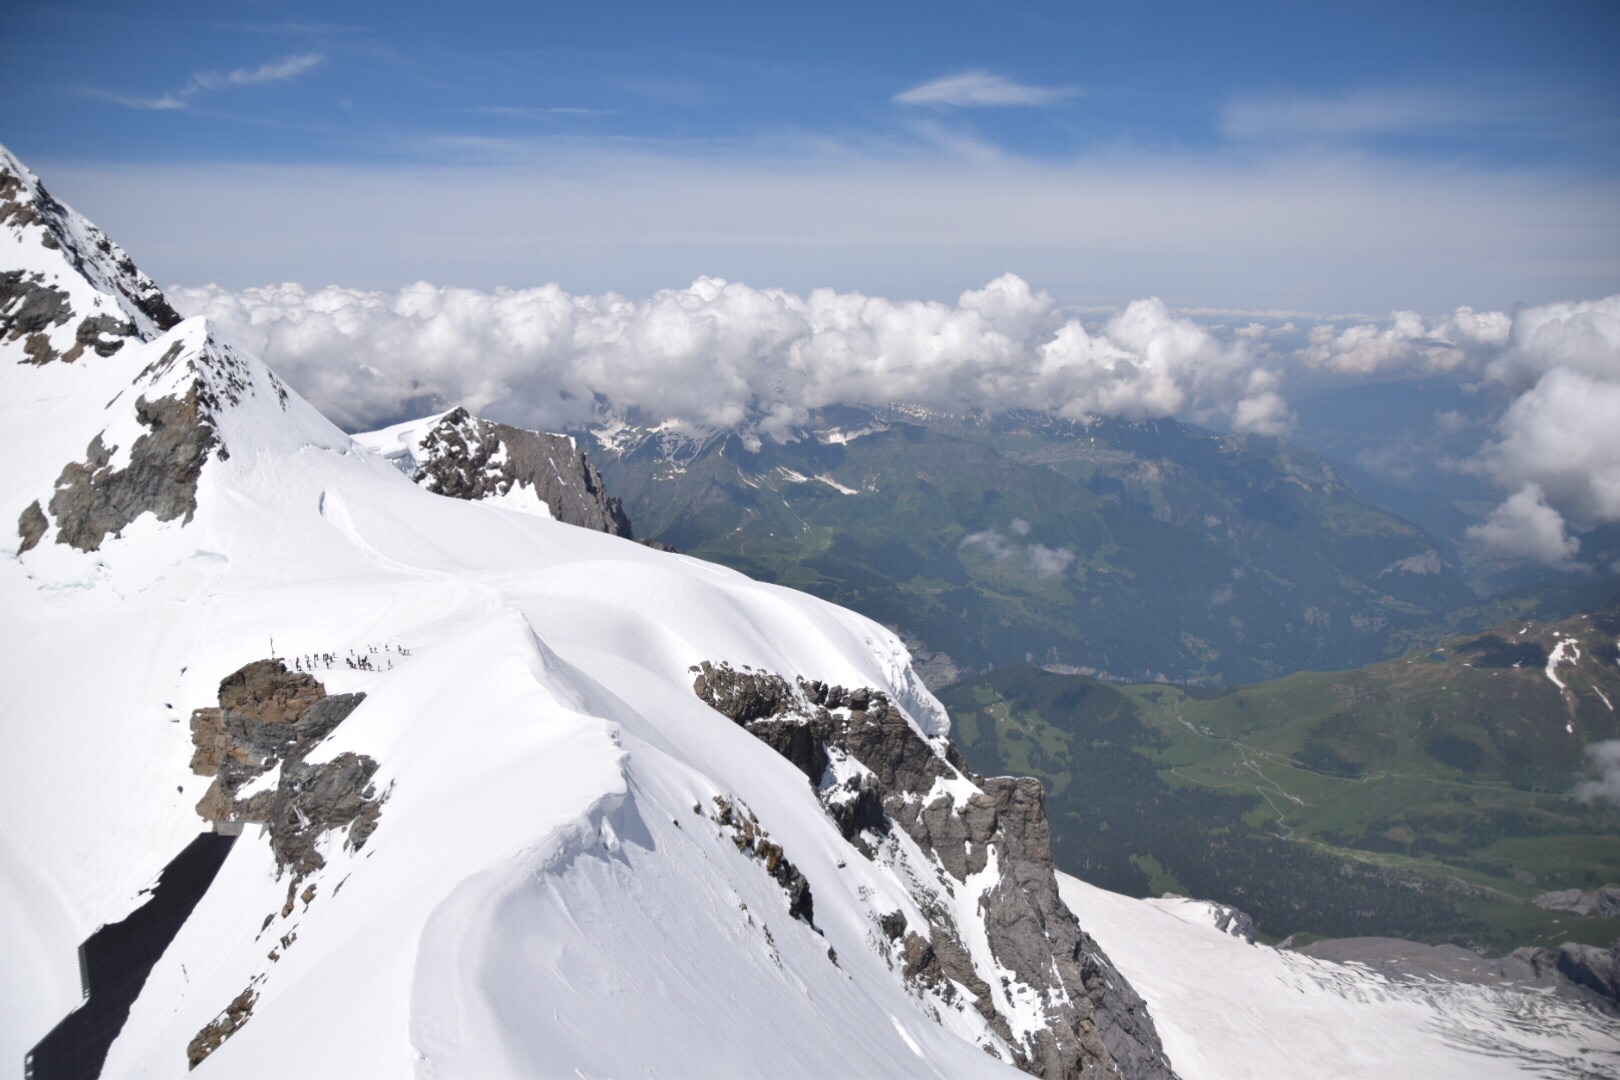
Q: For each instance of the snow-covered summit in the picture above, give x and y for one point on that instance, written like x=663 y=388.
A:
x=466 y=457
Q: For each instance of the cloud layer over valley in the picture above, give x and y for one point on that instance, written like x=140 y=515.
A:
x=725 y=355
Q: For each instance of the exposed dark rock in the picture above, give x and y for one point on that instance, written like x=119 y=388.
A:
x=268 y=717
x=1095 y=1023
x=856 y=806
x=743 y=696
x=1229 y=920
x=753 y=840
x=312 y=800
x=228 y=1023
x=101 y=333
x=31 y=525
x=93 y=499
x=804 y=744
x=30 y=306
x=466 y=457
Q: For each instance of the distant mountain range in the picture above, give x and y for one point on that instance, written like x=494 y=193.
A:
x=1131 y=550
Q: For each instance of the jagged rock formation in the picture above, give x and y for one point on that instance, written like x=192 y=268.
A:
x=269 y=717
x=1038 y=981
x=466 y=457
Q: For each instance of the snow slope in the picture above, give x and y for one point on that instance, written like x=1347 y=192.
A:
x=1227 y=1009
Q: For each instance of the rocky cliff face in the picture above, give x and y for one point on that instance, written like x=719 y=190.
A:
x=466 y=457
x=1025 y=966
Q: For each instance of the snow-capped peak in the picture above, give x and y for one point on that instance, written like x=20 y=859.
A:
x=67 y=288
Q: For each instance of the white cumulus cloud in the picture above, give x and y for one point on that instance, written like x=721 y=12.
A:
x=1555 y=445
x=720 y=354
x=1524 y=525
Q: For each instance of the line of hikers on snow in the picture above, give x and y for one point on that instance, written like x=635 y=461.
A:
x=370 y=660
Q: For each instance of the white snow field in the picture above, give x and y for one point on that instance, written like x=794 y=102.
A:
x=1229 y=1010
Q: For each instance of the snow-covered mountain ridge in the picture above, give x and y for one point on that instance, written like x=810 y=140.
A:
x=596 y=809
x=534 y=884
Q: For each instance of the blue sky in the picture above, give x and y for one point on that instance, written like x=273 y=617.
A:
x=1361 y=157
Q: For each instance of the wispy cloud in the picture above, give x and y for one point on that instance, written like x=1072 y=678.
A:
x=273 y=71
x=1357 y=115
x=982 y=89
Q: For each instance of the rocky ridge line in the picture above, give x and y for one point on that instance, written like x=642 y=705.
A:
x=129 y=306
x=875 y=773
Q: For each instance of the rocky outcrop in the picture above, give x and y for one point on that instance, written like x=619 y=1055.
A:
x=740 y=823
x=466 y=457
x=31 y=526
x=1591 y=968
x=268 y=720
x=1604 y=902
x=93 y=498
x=222 y=1027
x=271 y=718
x=876 y=774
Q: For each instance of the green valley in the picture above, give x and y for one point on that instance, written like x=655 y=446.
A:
x=1426 y=797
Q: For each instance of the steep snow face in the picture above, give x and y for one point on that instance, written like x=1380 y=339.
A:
x=538 y=895
x=1228 y=1008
